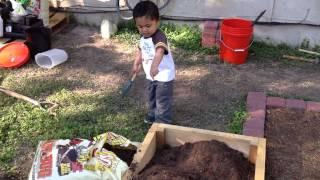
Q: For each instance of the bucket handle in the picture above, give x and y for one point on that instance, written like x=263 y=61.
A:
x=235 y=50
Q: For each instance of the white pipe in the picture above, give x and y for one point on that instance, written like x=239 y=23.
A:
x=51 y=58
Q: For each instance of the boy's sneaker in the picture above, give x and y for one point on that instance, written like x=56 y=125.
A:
x=148 y=120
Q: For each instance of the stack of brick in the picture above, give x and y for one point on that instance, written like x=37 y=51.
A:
x=209 y=34
x=257 y=102
x=256 y=108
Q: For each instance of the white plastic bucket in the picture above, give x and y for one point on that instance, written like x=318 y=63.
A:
x=51 y=58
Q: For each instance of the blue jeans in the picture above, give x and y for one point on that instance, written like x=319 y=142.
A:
x=160 y=101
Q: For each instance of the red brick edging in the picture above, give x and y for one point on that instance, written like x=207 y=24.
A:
x=208 y=38
x=257 y=102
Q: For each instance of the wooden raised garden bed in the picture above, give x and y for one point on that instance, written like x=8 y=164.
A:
x=253 y=148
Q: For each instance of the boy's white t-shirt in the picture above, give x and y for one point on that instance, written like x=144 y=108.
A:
x=148 y=49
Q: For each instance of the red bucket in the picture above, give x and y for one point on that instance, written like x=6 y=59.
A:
x=236 y=39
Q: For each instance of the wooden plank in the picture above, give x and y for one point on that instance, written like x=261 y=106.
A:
x=56 y=19
x=178 y=135
x=316 y=61
x=261 y=160
x=253 y=154
x=253 y=140
x=310 y=52
x=58 y=22
x=252 y=147
x=143 y=156
x=160 y=137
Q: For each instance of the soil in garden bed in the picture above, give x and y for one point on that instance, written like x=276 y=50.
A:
x=195 y=161
x=125 y=155
x=293 y=144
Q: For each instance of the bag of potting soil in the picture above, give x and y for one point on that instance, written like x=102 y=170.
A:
x=80 y=159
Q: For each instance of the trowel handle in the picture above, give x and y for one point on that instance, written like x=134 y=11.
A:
x=133 y=76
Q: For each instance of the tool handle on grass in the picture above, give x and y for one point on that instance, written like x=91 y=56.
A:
x=316 y=61
x=19 y=96
x=310 y=52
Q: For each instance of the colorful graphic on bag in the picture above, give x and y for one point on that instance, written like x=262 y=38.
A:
x=45 y=160
x=79 y=159
x=68 y=159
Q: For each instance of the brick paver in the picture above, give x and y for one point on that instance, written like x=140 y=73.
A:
x=256 y=101
x=276 y=102
x=313 y=106
x=253 y=132
x=295 y=104
x=256 y=108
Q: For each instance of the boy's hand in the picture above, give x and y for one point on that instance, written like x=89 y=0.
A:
x=154 y=70
x=137 y=63
x=135 y=69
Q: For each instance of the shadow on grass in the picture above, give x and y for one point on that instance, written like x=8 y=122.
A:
x=93 y=115
x=43 y=86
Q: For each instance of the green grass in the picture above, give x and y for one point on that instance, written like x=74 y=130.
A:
x=128 y=33
x=184 y=37
x=39 y=86
x=267 y=50
x=78 y=115
x=238 y=117
x=304 y=98
x=189 y=38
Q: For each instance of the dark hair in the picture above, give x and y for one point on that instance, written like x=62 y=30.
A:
x=146 y=8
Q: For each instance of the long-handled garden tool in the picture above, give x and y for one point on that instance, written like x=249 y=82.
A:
x=41 y=104
x=258 y=17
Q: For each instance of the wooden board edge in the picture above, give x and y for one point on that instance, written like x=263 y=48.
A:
x=143 y=156
x=251 y=139
x=160 y=135
x=57 y=18
x=156 y=133
x=261 y=160
x=253 y=154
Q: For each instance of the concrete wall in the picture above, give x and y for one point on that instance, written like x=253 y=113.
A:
x=293 y=35
x=306 y=12
x=294 y=11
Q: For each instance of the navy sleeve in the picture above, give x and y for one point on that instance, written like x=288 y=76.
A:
x=160 y=41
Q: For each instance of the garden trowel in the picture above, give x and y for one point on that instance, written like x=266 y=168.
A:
x=128 y=85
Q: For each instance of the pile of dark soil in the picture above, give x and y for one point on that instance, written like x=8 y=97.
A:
x=293 y=144
x=201 y=160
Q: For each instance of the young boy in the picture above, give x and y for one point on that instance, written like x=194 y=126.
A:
x=154 y=55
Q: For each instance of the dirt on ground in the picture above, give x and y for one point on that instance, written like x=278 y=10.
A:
x=206 y=90
x=210 y=160
x=293 y=144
